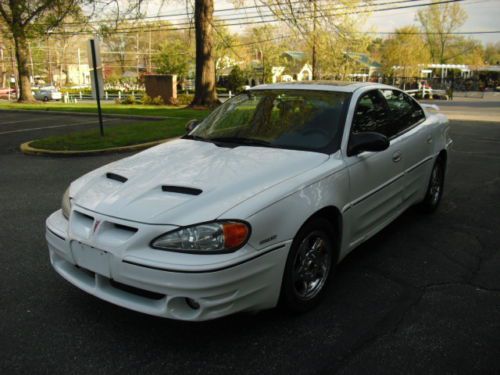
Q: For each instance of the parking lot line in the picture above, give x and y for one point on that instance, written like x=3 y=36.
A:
x=48 y=127
x=25 y=120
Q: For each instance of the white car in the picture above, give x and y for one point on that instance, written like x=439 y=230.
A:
x=48 y=93
x=255 y=206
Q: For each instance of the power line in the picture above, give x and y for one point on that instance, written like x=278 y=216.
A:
x=263 y=18
x=224 y=10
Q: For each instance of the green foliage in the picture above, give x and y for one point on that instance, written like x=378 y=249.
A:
x=130 y=99
x=173 y=58
x=492 y=53
x=405 y=49
x=157 y=101
x=116 y=136
x=147 y=100
x=184 y=99
x=236 y=79
x=437 y=22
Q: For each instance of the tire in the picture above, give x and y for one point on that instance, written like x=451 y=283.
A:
x=309 y=266
x=435 y=188
x=45 y=99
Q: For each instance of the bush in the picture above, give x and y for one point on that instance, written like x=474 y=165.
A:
x=146 y=99
x=130 y=99
x=184 y=99
x=158 y=100
x=236 y=79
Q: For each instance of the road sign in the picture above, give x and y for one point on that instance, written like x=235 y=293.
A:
x=98 y=65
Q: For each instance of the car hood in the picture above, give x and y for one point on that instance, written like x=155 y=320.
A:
x=225 y=176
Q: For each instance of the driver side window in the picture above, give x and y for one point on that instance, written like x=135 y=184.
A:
x=371 y=115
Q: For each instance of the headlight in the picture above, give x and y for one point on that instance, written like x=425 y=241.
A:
x=215 y=237
x=66 y=204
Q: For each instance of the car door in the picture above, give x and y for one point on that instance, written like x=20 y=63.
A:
x=409 y=124
x=375 y=178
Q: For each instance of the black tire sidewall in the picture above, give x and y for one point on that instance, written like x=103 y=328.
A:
x=427 y=205
x=288 y=299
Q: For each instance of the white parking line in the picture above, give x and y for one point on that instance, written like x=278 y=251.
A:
x=49 y=127
x=25 y=120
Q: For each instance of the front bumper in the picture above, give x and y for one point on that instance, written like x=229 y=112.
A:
x=142 y=280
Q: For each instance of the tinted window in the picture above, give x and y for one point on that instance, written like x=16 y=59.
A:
x=371 y=114
x=404 y=111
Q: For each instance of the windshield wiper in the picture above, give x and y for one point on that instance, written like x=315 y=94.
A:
x=242 y=141
x=196 y=138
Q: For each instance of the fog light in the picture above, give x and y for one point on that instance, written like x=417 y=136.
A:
x=192 y=303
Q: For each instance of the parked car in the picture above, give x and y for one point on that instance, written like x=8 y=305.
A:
x=256 y=205
x=48 y=93
x=7 y=92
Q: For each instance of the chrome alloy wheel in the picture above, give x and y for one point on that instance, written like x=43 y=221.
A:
x=311 y=265
x=435 y=185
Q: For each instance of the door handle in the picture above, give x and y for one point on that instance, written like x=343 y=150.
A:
x=429 y=139
x=396 y=156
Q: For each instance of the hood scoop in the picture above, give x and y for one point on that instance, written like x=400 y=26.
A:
x=116 y=177
x=181 y=190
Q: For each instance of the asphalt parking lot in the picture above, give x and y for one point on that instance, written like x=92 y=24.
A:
x=422 y=297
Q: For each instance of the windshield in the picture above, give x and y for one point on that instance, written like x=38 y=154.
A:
x=296 y=119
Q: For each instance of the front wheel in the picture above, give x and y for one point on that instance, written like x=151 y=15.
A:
x=435 y=188
x=309 y=266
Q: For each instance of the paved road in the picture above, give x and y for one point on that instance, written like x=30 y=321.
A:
x=471 y=109
x=423 y=296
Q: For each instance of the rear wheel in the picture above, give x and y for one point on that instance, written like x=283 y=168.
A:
x=45 y=99
x=309 y=266
x=435 y=188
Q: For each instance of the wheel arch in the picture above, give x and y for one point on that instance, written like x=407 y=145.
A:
x=334 y=216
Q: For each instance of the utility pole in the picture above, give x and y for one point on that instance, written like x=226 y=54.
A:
x=137 y=54
x=14 y=73
x=149 y=54
x=49 y=63
x=32 y=79
x=4 y=73
x=314 y=52
x=79 y=67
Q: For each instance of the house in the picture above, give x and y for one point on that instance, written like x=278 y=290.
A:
x=363 y=66
x=296 y=68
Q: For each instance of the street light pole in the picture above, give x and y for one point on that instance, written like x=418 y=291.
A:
x=314 y=52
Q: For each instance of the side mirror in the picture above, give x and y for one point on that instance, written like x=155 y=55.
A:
x=368 y=141
x=191 y=124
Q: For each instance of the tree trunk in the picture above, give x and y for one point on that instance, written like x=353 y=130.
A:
x=24 y=83
x=205 y=94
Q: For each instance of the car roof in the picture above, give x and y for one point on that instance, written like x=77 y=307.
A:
x=339 y=86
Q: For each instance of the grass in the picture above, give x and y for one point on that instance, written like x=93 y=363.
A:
x=115 y=135
x=111 y=108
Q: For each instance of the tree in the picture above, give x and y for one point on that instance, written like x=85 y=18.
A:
x=236 y=79
x=205 y=94
x=321 y=26
x=265 y=46
x=438 y=21
x=173 y=58
x=405 y=49
x=492 y=53
x=26 y=18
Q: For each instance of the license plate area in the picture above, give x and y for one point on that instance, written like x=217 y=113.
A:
x=90 y=258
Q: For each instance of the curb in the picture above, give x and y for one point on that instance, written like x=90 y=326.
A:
x=27 y=149
x=92 y=114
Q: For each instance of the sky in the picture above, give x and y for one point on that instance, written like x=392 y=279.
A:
x=483 y=15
